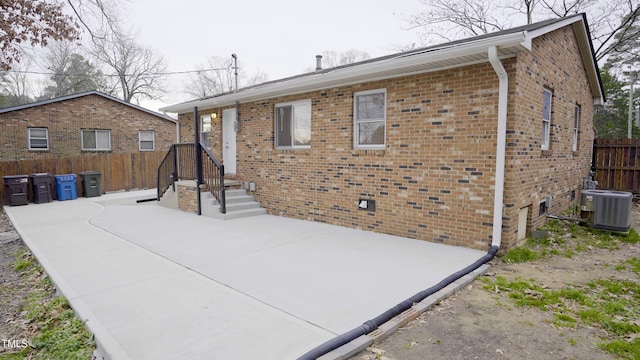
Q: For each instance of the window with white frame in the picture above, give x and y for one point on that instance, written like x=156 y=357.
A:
x=146 y=140
x=38 y=138
x=576 y=126
x=205 y=130
x=96 y=140
x=293 y=125
x=546 y=118
x=369 y=115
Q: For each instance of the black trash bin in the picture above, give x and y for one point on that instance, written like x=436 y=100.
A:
x=91 y=183
x=42 y=187
x=16 y=189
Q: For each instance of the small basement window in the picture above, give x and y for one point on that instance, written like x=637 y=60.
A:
x=543 y=208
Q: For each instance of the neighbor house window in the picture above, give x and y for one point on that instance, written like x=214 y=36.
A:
x=293 y=125
x=369 y=119
x=97 y=140
x=38 y=138
x=205 y=131
x=546 y=118
x=576 y=126
x=147 y=140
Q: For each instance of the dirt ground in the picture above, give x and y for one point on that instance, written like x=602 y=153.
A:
x=478 y=324
x=13 y=288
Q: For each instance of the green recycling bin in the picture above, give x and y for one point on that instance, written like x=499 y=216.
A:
x=91 y=183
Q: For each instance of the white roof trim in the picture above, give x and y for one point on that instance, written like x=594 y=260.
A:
x=446 y=56
x=404 y=64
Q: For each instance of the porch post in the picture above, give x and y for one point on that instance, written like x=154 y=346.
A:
x=198 y=157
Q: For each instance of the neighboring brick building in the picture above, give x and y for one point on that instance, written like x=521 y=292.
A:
x=419 y=133
x=80 y=124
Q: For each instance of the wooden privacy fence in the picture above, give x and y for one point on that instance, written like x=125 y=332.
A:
x=617 y=164
x=119 y=171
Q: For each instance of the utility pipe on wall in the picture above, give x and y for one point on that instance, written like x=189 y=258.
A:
x=503 y=92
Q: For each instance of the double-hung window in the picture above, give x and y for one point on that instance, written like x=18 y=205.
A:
x=96 y=140
x=369 y=115
x=546 y=118
x=576 y=126
x=146 y=140
x=293 y=125
x=205 y=131
x=38 y=138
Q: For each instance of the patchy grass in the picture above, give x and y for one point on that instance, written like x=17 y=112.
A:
x=556 y=243
x=520 y=254
x=53 y=330
x=23 y=261
x=612 y=305
x=634 y=263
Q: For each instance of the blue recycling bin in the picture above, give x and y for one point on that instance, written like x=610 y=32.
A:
x=66 y=187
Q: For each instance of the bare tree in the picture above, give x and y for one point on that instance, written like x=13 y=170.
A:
x=71 y=72
x=217 y=76
x=138 y=71
x=98 y=18
x=15 y=84
x=469 y=17
x=611 y=22
x=34 y=22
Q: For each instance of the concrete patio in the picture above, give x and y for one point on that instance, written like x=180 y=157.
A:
x=156 y=283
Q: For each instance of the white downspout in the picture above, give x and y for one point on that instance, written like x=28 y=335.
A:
x=501 y=145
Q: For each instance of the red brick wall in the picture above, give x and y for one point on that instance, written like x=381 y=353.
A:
x=532 y=174
x=65 y=119
x=435 y=178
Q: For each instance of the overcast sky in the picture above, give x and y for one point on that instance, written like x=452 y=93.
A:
x=277 y=37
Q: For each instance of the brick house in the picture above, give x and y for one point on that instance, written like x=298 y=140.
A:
x=80 y=124
x=468 y=143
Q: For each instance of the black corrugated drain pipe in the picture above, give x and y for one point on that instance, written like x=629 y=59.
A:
x=373 y=324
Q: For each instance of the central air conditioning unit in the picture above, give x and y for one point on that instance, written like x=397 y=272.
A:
x=607 y=210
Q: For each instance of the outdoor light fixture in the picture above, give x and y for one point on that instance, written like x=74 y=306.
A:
x=214 y=115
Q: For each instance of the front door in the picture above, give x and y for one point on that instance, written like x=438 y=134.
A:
x=229 y=140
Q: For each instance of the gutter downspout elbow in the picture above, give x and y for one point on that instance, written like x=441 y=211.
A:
x=503 y=92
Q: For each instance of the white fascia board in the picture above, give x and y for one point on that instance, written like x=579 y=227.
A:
x=354 y=74
x=586 y=51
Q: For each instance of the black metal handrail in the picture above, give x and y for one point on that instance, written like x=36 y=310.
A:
x=213 y=177
x=167 y=172
x=179 y=163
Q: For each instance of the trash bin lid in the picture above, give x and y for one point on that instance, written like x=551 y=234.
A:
x=66 y=177
x=15 y=179
x=40 y=175
x=90 y=173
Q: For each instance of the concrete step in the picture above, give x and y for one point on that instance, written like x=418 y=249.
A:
x=234 y=184
x=239 y=205
x=236 y=214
